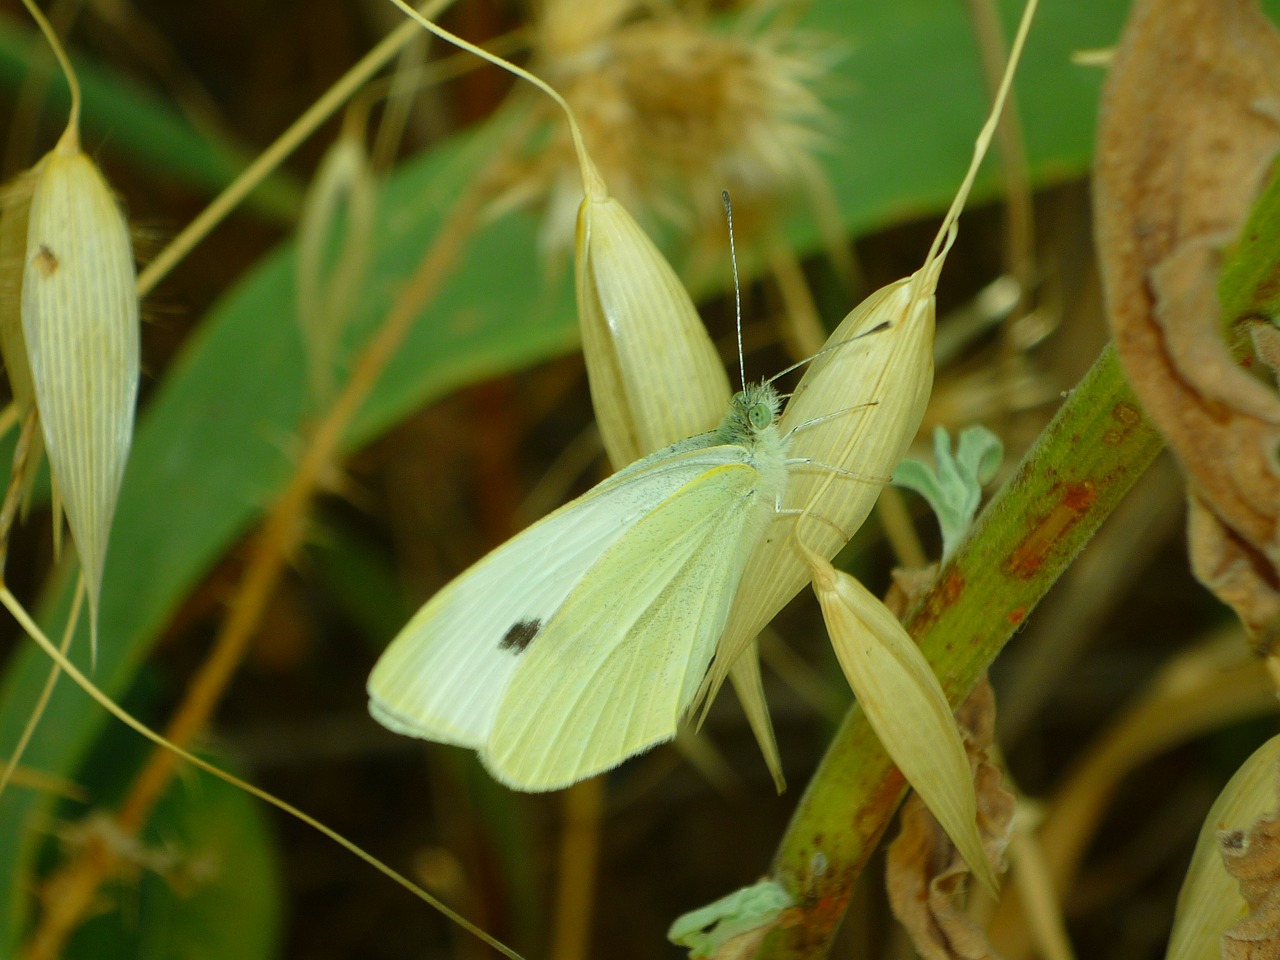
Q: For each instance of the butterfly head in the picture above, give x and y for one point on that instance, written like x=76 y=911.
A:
x=751 y=412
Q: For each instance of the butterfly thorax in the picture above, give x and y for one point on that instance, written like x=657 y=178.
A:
x=752 y=413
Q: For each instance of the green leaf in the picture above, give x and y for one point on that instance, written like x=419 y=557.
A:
x=360 y=581
x=203 y=880
x=954 y=488
x=205 y=883
x=910 y=98
x=1247 y=287
x=705 y=930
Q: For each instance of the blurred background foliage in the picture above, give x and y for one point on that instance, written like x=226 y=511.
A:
x=480 y=424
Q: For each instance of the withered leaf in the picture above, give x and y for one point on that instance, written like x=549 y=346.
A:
x=1253 y=858
x=926 y=875
x=1190 y=125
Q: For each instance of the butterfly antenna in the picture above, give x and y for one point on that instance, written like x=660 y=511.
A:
x=737 y=289
x=879 y=328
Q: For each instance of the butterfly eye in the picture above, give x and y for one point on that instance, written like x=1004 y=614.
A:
x=760 y=415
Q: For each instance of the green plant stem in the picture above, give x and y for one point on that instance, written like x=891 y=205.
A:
x=1083 y=463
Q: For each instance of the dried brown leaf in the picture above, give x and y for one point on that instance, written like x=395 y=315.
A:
x=926 y=874
x=1190 y=125
x=1253 y=858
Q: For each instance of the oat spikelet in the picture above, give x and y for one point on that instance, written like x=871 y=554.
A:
x=856 y=410
x=15 y=211
x=655 y=375
x=80 y=323
x=328 y=280
x=905 y=705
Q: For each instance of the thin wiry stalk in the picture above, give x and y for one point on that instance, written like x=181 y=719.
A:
x=32 y=629
x=1069 y=482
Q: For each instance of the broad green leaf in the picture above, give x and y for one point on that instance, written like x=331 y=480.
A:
x=205 y=883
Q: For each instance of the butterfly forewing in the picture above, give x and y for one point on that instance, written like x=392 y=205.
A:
x=445 y=673
x=613 y=671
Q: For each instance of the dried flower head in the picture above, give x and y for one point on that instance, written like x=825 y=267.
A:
x=676 y=109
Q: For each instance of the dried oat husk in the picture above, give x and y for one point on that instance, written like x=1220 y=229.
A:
x=905 y=705
x=856 y=410
x=926 y=875
x=15 y=211
x=654 y=373
x=80 y=323
x=328 y=280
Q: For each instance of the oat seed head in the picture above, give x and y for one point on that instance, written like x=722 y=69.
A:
x=904 y=704
x=78 y=329
x=883 y=380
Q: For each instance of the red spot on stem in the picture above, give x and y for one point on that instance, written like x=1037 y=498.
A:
x=1073 y=501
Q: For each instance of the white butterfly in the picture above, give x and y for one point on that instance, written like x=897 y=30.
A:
x=583 y=640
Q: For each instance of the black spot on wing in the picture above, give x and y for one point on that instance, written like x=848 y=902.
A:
x=520 y=635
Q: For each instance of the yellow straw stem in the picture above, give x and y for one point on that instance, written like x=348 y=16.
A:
x=946 y=232
x=69 y=142
x=592 y=185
